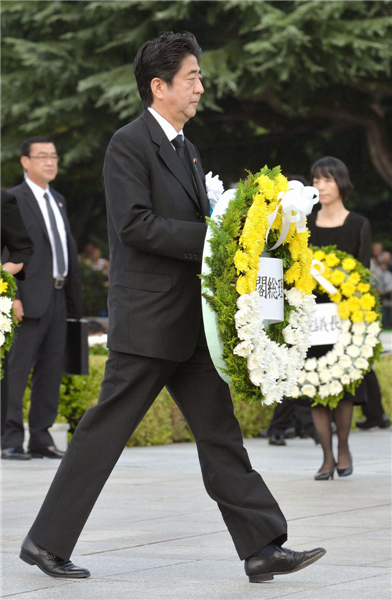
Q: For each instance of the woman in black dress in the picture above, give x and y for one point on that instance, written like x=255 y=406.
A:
x=333 y=224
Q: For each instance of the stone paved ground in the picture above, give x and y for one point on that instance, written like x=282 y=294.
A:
x=155 y=534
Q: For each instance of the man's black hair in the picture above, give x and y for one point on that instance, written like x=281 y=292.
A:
x=335 y=168
x=162 y=57
x=38 y=139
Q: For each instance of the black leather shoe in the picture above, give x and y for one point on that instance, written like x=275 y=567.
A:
x=277 y=439
x=49 y=452
x=383 y=422
x=15 y=454
x=49 y=563
x=281 y=562
x=325 y=475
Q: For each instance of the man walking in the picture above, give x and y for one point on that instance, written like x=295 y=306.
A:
x=50 y=292
x=157 y=204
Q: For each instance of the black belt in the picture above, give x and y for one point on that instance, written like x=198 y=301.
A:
x=60 y=282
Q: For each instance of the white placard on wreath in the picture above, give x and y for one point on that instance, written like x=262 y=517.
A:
x=325 y=325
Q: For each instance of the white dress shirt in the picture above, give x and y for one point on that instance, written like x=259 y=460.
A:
x=39 y=195
x=166 y=126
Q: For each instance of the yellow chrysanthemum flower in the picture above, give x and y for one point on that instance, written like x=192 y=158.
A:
x=348 y=289
x=354 y=304
x=3 y=286
x=349 y=264
x=241 y=260
x=363 y=287
x=337 y=277
x=267 y=186
x=336 y=297
x=354 y=278
x=367 y=301
x=343 y=310
x=319 y=255
x=357 y=316
x=332 y=260
x=370 y=316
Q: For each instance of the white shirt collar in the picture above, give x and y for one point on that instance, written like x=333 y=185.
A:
x=36 y=189
x=166 y=126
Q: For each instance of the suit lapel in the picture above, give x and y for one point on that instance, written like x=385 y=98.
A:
x=169 y=156
x=32 y=203
x=201 y=190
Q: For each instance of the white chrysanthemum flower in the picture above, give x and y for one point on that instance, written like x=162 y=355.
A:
x=335 y=388
x=374 y=328
x=253 y=362
x=308 y=304
x=246 y=332
x=294 y=297
x=308 y=390
x=355 y=374
x=256 y=376
x=346 y=325
x=324 y=391
x=361 y=363
x=97 y=340
x=5 y=324
x=302 y=378
x=371 y=340
x=339 y=349
x=331 y=357
x=311 y=364
x=294 y=319
x=345 y=379
x=358 y=328
x=357 y=340
x=366 y=351
x=345 y=362
x=2 y=338
x=244 y=301
x=321 y=363
x=325 y=376
x=242 y=317
x=345 y=338
x=288 y=335
x=5 y=305
x=337 y=371
x=313 y=378
x=243 y=349
x=352 y=351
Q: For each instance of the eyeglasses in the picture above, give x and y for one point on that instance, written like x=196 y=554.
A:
x=45 y=157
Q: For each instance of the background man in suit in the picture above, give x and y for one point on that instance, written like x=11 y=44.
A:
x=50 y=292
x=157 y=204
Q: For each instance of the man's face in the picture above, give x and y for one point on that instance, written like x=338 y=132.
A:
x=180 y=99
x=41 y=164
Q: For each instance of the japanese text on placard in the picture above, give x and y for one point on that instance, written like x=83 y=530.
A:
x=269 y=287
x=326 y=323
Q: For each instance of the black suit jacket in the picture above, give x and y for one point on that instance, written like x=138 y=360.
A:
x=14 y=236
x=36 y=290
x=156 y=223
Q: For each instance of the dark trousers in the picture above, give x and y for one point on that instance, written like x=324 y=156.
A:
x=292 y=413
x=130 y=386
x=39 y=345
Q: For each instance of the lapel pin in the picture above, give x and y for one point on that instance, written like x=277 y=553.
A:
x=60 y=204
x=195 y=161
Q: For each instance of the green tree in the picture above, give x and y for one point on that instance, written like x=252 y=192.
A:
x=286 y=83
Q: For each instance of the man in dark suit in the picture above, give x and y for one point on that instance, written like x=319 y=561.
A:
x=50 y=292
x=157 y=204
x=19 y=246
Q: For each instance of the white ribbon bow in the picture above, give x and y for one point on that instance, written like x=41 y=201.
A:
x=318 y=275
x=296 y=203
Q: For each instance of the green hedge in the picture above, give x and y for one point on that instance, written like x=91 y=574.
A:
x=164 y=423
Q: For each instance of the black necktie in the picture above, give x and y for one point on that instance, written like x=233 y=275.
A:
x=57 y=242
x=179 y=145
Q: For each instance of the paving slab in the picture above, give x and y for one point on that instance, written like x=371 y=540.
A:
x=154 y=533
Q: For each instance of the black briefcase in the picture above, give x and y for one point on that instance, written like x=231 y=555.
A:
x=76 y=354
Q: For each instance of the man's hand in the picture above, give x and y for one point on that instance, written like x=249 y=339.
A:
x=18 y=310
x=13 y=268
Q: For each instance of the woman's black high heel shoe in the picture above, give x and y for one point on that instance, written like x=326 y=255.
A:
x=347 y=471
x=325 y=476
